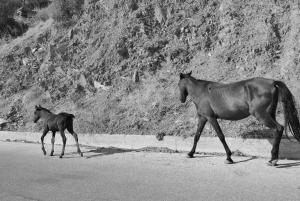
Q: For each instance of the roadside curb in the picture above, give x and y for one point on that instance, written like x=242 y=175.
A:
x=252 y=147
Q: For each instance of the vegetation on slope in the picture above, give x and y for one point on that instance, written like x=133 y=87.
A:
x=116 y=63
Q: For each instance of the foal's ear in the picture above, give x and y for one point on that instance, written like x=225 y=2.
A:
x=181 y=76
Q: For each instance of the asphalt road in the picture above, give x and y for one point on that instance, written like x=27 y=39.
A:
x=121 y=175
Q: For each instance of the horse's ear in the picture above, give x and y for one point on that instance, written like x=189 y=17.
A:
x=190 y=73
x=36 y=107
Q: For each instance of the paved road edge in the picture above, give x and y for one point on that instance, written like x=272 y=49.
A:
x=253 y=147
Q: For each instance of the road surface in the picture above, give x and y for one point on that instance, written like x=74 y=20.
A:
x=112 y=174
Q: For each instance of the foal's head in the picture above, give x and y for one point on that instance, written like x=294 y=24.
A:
x=182 y=86
x=38 y=113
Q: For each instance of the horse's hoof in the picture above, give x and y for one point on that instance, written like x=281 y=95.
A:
x=228 y=161
x=60 y=156
x=272 y=163
x=45 y=153
x=190 y=155
x=51 y=154
x=81 y=154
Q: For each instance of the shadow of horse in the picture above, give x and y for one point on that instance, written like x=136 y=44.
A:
x=103 y=151
x=288 y=165
x=289 y=147
x=246 y=160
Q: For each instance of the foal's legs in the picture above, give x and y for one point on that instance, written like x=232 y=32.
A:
x=52 y=142
x=201 y=123
x=64 y=139
x=268 y=121
x=45 y=131
x=77 y=144
x=217 y=128
x=70 y=129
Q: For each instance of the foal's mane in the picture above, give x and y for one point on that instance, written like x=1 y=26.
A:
x=42 y=108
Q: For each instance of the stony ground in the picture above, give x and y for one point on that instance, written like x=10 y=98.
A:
x=118 y=175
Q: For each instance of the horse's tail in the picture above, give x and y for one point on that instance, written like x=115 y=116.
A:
x=289 y=109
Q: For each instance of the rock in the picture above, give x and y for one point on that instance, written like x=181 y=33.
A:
x=25 y=61
x=71 y=34
x=27 y=51
x=34 y=50
x=3 y=121
x=160 y=14
x=47 y=67
x=132 y=5
x=98 y=85
x=135 y=77
x=51 y=52
x=123 y=52
x=10 y=58
x=160 y=136
x=82 y=80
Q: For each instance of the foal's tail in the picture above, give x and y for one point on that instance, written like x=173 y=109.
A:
x=289 y=109
x=71 y=115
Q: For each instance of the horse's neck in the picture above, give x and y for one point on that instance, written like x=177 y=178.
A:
x=193 y=86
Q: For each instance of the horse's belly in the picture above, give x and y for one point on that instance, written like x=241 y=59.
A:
x=233 y=115
x=232 y=112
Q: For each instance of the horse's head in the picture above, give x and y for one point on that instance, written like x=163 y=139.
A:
x=37 y=113
x=182 y=86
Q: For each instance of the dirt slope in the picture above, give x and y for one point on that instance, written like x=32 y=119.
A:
x=117 y=68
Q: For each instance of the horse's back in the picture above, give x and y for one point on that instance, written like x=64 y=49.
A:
x=261 y=85
x=236 y=100
x=66 y=115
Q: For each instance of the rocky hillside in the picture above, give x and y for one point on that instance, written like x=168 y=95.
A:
x=117 y=67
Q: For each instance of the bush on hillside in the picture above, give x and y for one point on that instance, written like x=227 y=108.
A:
x=66 y=10
x=7 y=9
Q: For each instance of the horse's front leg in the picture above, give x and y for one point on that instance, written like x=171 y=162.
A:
x=64 y=139
x=52 y=142
x=201 y=123
x=217 y=128
x=45 y=131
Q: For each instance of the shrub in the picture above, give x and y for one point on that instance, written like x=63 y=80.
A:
x=66 y=10
x=7 y=9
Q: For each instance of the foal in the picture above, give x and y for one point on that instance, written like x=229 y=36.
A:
x=235 y=101
x=56 y=122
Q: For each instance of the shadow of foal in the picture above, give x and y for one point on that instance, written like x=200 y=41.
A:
x=56 y=122
x=257 y=96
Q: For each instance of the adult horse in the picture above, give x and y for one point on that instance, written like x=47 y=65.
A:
x=238 y=100
x=56 y=122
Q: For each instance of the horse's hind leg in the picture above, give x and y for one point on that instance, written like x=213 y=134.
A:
x=52 y=142
x=201 y=123
x=45 y=131
x=221 y=136
x=268 y=121
x=64 y=139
